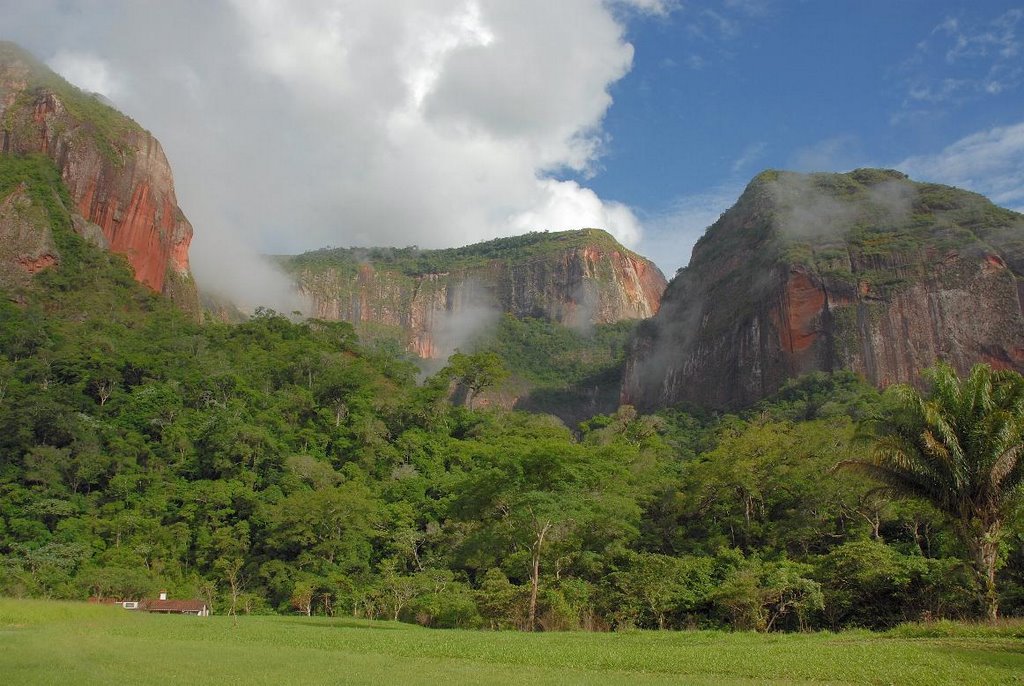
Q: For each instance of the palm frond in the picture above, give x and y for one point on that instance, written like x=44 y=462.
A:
x=897 y=482
x=960 y=445
x=1005 y=465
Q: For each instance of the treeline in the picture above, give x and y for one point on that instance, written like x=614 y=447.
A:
x=414 y=261
x=277 y=466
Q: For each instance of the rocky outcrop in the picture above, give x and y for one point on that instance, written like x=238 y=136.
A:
x=26 y=242
x=435 y=299
x=866 y=271
x=116 y=172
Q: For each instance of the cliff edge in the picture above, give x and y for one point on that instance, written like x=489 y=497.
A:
x=116 y=172
x=867 y=271
x=428 y=297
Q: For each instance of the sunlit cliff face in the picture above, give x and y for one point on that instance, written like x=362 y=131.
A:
x=118 y=177
x=440 y=312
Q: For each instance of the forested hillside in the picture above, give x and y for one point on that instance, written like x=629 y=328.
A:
x=278 y=466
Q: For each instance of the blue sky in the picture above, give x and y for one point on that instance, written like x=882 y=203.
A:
x=718 y=93
x=295 y=125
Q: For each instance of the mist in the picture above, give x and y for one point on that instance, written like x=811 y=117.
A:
x=460 y=329
x=810 y=212
x=291 y=126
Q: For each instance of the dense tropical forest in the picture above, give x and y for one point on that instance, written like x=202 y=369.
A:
x=279 y=466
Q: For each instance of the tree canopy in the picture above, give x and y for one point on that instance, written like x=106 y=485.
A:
x=959 y=447
x=283 y=466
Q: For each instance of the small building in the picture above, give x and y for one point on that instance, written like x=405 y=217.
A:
x=176 y=607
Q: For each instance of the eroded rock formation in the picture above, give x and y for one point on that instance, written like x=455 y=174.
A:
x=434 y=298
x=866 y=271
x=116 y=172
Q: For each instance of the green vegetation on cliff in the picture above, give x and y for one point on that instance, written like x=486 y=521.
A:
x=42 y=180
x=83 y=269
x=854 y=227
x=553 y=304
x=412 y=261
x=93 y=117
x=867 y=271
x=120 y=186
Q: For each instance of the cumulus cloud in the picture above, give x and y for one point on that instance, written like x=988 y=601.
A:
x=566 y=205
x=291 y=126
x=990 y=162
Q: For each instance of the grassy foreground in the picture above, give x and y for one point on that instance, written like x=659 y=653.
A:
x=71 y=643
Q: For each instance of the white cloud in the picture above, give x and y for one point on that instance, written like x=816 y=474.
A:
x=669 y=236
x=660 y=8
x=566 y=205
x=87 y=71
x=996 y=39
x=964 y=60
x=990 y=162
x=355 y=122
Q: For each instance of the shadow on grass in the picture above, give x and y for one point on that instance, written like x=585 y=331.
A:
x=1008 y=656
x=343 y=623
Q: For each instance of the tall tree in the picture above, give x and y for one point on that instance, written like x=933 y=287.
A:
x=476 y=372
x=958 y=446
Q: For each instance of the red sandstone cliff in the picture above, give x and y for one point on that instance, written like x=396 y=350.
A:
x=866 y=271
x=575 y=278
x=115 y=171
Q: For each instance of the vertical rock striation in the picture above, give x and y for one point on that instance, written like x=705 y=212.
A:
x=431 y=298
x=866 y=271
x=116 y=172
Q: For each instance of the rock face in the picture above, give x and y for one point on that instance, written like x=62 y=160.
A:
x=26 y=242
x=115 y=171
x=866 y=271
x=434 y=299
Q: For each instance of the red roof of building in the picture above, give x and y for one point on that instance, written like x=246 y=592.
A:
x=174 y=605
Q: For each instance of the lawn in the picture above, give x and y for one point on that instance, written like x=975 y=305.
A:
x=71 y=643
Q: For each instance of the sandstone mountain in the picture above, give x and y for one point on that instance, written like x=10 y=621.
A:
x=866 y=271
x=432 y=299
x=118 y=178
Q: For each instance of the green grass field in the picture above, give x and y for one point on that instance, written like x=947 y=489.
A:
x=72 y=643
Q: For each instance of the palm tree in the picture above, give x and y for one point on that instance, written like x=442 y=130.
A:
x=958 y=447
